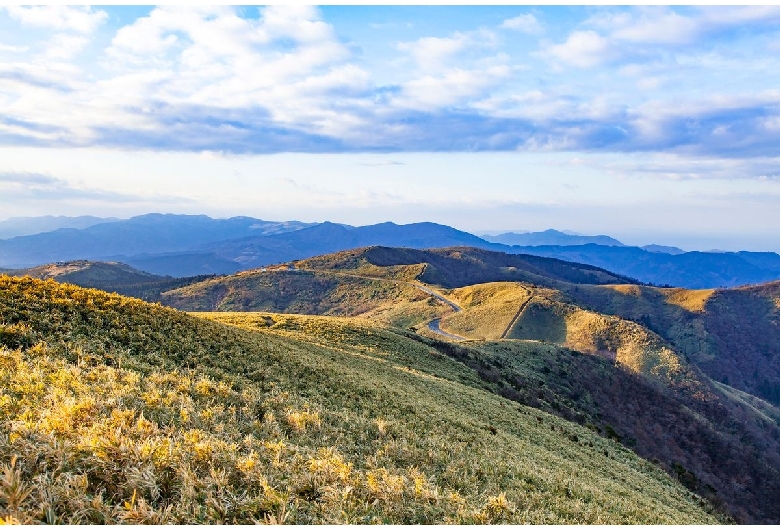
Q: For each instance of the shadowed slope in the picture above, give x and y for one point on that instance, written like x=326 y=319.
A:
x=725 y=448
x=733 y=335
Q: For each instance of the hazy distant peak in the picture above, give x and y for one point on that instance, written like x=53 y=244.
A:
x=551 y=237
x=663 y=249
x=27 y=226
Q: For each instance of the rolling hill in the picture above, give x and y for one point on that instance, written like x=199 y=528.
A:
x=459 y=266
x=698 y=425
x=108 y=276
x=378 y=282
x=732 y=335
x=121 y=411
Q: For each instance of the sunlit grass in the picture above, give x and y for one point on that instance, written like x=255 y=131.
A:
x=113 y=410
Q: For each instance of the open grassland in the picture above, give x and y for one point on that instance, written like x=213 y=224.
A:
x=725 y=448
x=488 y=309
x=625 y=342
x=311 y=292
x=114 y=410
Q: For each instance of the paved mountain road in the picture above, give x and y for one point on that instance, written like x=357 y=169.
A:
x=433 y=325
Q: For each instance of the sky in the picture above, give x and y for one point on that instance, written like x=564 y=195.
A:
x=652 y=124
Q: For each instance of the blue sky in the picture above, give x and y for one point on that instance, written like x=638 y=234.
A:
x=653 y=124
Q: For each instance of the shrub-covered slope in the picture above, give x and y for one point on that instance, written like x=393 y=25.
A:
x=724 y=446
x=461 y=266
x=116 y=410
x=733 y=335
x=310 y=292
x=108 y=276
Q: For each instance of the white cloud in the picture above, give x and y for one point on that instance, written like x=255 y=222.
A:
x=439 y=53
x=649 y=83
x=78 y=19
x=584 y=49
x=13 y=49
x=65 y=46
x=217 y=58
x=450 y=88
x=286 y=68
x=727 y=16
x=526 y=23
x=431 y=53
x=534 y=105
x=665 y=26
x=679 y=167
x=648 y=25
x=658 y=28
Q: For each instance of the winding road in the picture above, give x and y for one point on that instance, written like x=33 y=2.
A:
x=433 y=325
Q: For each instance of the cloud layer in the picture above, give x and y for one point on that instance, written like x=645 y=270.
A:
x=692 y=81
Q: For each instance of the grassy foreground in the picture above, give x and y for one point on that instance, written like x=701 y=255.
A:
x=114 y=410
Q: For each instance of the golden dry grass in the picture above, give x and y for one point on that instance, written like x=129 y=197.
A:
x=691 y=300
x=487 y=309
x=113 y=410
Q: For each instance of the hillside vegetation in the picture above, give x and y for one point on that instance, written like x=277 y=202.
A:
x=719 y=441
x=310 y=292
x=462 y=266
x=379 y=283
x=489 y=309
x=724 y=448
x=733 y=335
x=108 y=276
x=114 y=410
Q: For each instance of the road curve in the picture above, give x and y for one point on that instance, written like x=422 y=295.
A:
x=433 y=325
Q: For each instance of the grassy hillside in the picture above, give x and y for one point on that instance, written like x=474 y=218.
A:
x=724 y=447
x=88 y=271
x=731 y=334
x=488 y=309
x=616 y=339
x=310 y=292
x=380 y=283
x=114 y=410
x=108 y=276
x=462 y=266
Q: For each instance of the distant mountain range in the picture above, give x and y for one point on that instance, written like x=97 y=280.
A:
x=25 y=226
x=188 y=245
x=550 y=237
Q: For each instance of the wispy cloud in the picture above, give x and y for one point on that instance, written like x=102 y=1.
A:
x=40 y=186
